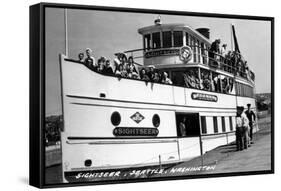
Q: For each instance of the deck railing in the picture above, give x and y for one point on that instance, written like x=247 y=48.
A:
x=235 y=64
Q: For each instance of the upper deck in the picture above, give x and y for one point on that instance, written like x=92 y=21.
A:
x=178 y=46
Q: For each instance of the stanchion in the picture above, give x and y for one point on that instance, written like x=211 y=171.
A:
x=201 y=150
x=160 y=165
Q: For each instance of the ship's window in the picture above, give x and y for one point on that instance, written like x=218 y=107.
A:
x=178 y=78
x=156 y=40
x=223 y=124
x=178 y=38
x=187 y=39
x=238 y=88
x=244 y=90
x=167 y=39
x=215 y=120
x=147 y=40
x=203 y=124
x=191 y=78
x=230 y=123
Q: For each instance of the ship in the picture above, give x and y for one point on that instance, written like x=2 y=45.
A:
x=113 y=122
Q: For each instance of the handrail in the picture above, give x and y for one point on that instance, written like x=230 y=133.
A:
x=224 y=63
x=146 y=81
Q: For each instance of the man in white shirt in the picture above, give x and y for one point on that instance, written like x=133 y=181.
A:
x=90 y=61
x=223 y=50
x=242 y=124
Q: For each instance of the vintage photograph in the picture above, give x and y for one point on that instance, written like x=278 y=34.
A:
x=132 y=95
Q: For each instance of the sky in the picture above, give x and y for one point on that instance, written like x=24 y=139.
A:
x=109 y=32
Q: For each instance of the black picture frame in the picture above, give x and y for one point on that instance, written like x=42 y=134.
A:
x=37 y=92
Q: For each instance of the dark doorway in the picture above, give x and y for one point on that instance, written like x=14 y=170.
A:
x=187 y=124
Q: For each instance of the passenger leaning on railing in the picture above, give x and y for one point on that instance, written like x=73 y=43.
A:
x=151 y=72
x=205 y=81
x=131 y=69
x=190 y=79
x=90 y=61
x=101 y=63
x=165 y=79
x=225 y=85
x=107 y=68
x=222 y=58
x=143 y=75
x=214 y=53
x=157 y=77
x=228 y=62
x=81 y=57
x=123 y=60
x=121 y=72
x=116 y=62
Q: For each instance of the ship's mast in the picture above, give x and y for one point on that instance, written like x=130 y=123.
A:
x=231 y=37
x=66 y=32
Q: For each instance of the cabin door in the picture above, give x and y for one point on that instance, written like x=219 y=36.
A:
x=188 y=131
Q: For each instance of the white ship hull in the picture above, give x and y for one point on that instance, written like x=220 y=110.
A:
x=90 y=98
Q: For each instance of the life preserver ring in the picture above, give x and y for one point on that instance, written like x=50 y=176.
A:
x=185 y=53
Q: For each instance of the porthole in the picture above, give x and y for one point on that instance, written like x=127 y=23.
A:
x=88 y=162
x=115 y=118
x=156 y=120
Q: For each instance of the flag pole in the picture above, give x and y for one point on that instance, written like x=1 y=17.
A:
x=66 y=32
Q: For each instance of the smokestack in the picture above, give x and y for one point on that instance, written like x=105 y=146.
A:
x=205 y=32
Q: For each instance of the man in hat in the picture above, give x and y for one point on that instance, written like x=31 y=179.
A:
x=241 y=129
x=252 y=118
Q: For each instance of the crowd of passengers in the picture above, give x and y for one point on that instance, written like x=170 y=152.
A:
x=126 y=67
x=230 y=61
x=207 y=81
x=123 y=67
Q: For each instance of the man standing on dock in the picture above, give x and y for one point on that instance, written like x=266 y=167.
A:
x=252 y=118
x=242 y=124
